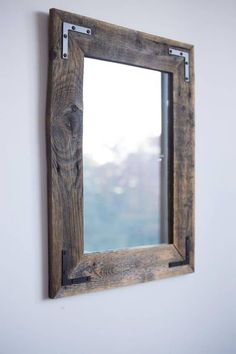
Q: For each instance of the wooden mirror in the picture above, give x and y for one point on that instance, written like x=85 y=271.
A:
x=120 y=152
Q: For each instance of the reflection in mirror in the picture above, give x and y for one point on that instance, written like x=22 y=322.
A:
x=124 y=162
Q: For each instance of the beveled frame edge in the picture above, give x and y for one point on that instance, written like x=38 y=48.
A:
x=183 y=195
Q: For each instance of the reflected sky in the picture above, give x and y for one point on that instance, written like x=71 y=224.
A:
x=122 y=109
x=121 y=146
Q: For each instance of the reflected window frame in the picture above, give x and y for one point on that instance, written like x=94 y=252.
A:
x=72 y=271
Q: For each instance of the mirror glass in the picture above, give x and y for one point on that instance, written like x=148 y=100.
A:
x=124 y=162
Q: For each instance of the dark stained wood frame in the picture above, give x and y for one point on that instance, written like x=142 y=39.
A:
x=64 y=156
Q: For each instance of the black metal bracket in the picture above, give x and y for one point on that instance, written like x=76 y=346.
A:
x=67 y=281
x=187 y=256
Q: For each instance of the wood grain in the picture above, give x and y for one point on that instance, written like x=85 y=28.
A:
x=65 y=165
x=183 y=160
x=120 y=268
x=65 y=153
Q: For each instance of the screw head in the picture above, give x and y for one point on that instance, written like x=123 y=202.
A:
x=170 y=50
x=88 y=31
x=73 y=27
x=181 y=53
x=64 y=55
x=65 y=35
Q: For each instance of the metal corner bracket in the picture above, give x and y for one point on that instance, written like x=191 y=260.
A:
x=185 y=56
x=65 y=281
x=186 y=260
x=66 y=27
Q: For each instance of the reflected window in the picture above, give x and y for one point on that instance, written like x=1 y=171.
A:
x=125 y=156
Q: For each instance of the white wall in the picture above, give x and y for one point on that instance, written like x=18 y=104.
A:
x=190 y=314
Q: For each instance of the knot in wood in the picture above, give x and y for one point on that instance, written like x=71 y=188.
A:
x=52 y=54
x=74 y=108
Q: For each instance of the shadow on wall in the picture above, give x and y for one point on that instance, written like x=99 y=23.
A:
x=41 y=20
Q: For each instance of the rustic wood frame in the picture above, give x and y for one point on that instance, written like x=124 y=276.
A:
x=70 y=270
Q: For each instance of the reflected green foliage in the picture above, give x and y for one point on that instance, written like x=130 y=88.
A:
x=122 y=202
